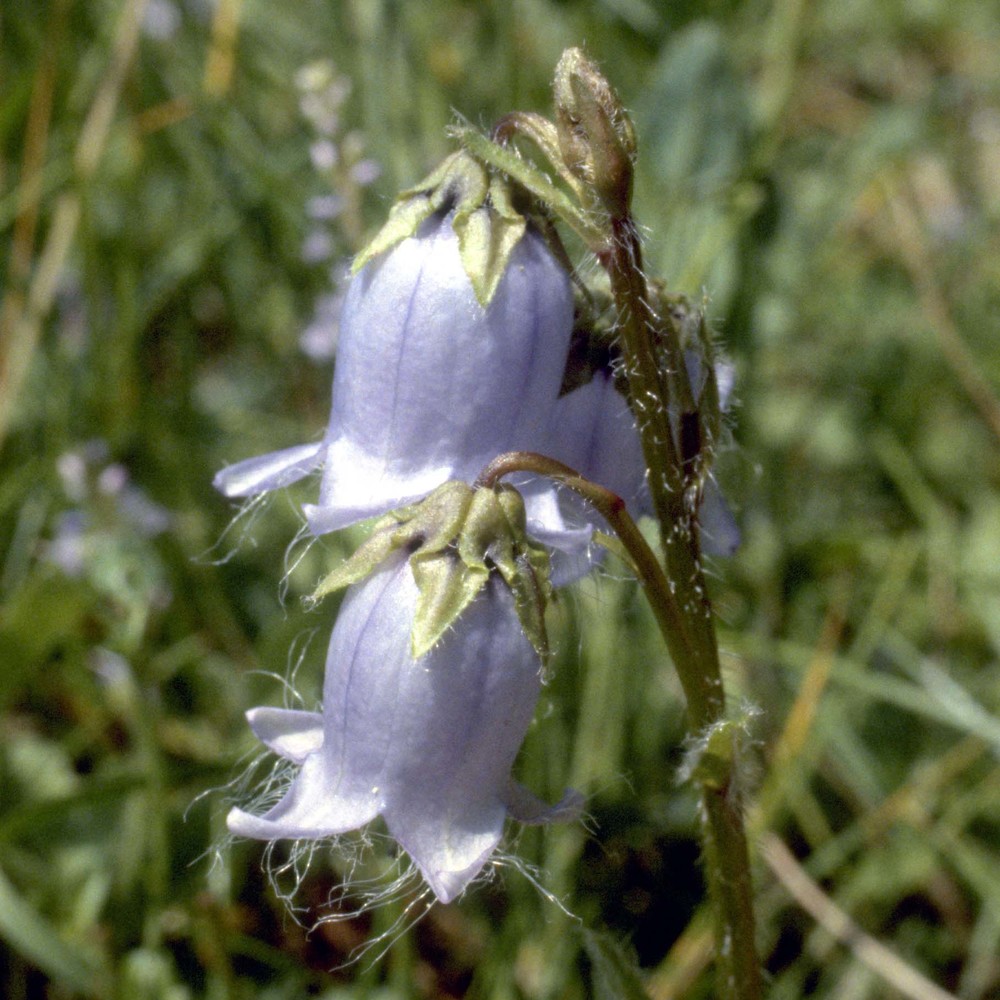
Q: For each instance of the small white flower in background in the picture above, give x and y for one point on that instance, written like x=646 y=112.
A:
x=318 y=340
x=324 y=155
x=366 y=172
x=105 y=538
x=161 y=20
x=322 y=94
x=340 y=161
x=325 y=207
x=70 y=545
x=318 y=246
x=108 y=498
x=426 y=743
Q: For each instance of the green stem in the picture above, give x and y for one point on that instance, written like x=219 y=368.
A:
x=649 y=391
x=727 y=859
x=657 y=381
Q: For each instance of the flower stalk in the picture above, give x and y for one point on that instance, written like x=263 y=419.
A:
x=727 y=856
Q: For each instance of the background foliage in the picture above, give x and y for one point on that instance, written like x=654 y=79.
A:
x=828 y=173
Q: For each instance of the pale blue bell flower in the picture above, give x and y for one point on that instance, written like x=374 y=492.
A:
x=720 y=534
x=427 y=744
x=429 y=385
x=595 y=432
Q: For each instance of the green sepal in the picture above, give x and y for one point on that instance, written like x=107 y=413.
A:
x=487 y=224
x=545 y=136
x=532 y=591
x=457 y=536
x=441 y=515
x=487 y=236
x=405 y=218
x=447 y=587
x=526 y=571
x=486 y=534
x=458 y=180
x=430 y=525
x=496 y=530
x=366 y=558
x=532 y=179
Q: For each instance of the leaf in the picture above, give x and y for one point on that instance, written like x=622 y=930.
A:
x=31 y=935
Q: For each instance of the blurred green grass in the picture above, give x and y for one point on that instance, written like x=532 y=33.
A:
x=828 y=174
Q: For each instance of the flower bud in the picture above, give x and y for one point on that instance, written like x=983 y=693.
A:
x=596 y=136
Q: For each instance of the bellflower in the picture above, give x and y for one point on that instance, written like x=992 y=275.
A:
x=429 y=385
x=719 y=532
x=425 y=743
x=594 y=432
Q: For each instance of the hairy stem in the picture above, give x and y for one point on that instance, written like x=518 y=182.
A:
x=678 y=614
x=592 y=147
x=696 y=660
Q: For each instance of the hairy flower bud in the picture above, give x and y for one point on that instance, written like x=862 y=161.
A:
x=596 y=136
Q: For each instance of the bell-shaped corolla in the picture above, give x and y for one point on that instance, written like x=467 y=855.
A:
x=429 y=385
x=426 y=743
x=595 y=432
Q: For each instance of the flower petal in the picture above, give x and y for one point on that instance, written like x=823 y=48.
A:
x=269 y=472
x=312 y=807
x=573 y=552
x=292 y=735
x=469 y=703
x=596 y=434
x=340 y=786
x=593 y=432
